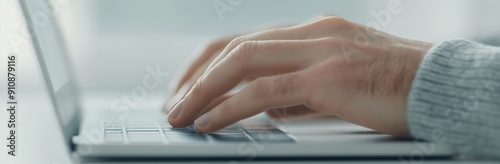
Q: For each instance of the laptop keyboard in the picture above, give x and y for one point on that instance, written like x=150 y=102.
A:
x=165 y=134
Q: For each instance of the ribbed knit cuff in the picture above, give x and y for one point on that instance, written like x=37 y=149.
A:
x=454 y=98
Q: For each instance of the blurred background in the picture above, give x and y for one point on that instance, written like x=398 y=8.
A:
x=112 y=42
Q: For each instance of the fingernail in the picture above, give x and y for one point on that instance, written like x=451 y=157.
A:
x=203 y=120
x=176 y=110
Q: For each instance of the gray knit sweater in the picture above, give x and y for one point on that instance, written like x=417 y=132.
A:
x=455 y=98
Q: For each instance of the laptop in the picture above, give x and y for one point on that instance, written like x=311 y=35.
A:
x=147 y=134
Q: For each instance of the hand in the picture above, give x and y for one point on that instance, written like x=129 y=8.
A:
x=329 y=66
x=188 y=78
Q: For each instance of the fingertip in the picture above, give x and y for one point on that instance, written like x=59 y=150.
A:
x=178 y=122
x=174 y=114
x=172 y=122
x=202 y=122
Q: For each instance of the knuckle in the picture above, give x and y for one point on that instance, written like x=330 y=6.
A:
x=237 y=41
x=244 y=51
x=315 y=20
x=330 y=24
x=332 y=20
x=338 y=70
x=287 y=84
x=226 y=109
x=319 y=18
x=316 y=94
x=259 y=88
x=315 y=101
x=335 y=64
x=198 y=90
x=283 y=85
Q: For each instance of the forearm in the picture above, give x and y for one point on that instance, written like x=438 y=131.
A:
x=455 y=98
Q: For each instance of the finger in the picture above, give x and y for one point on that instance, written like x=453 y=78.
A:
x=302 y=31
x=286 y=33
x=175 y=98
x=181 y=92
x=259 y=95
x=206 y=54
x=320 y=27
x=292 y=112
x=257 y=58
x=317 y=28
x=217 y=101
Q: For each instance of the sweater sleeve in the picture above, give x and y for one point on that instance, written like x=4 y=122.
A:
x=455 y=98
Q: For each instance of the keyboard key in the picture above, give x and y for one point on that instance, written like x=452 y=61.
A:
x=272 y=138
x=230 y=137
x=229 y=131
x=186 y=138
x=180 y=134
x=263 y=130
x=180 y=130
x=139 y=133
x=112 y=132
x=260 y=128
x=112 y=128
x=142 y=129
